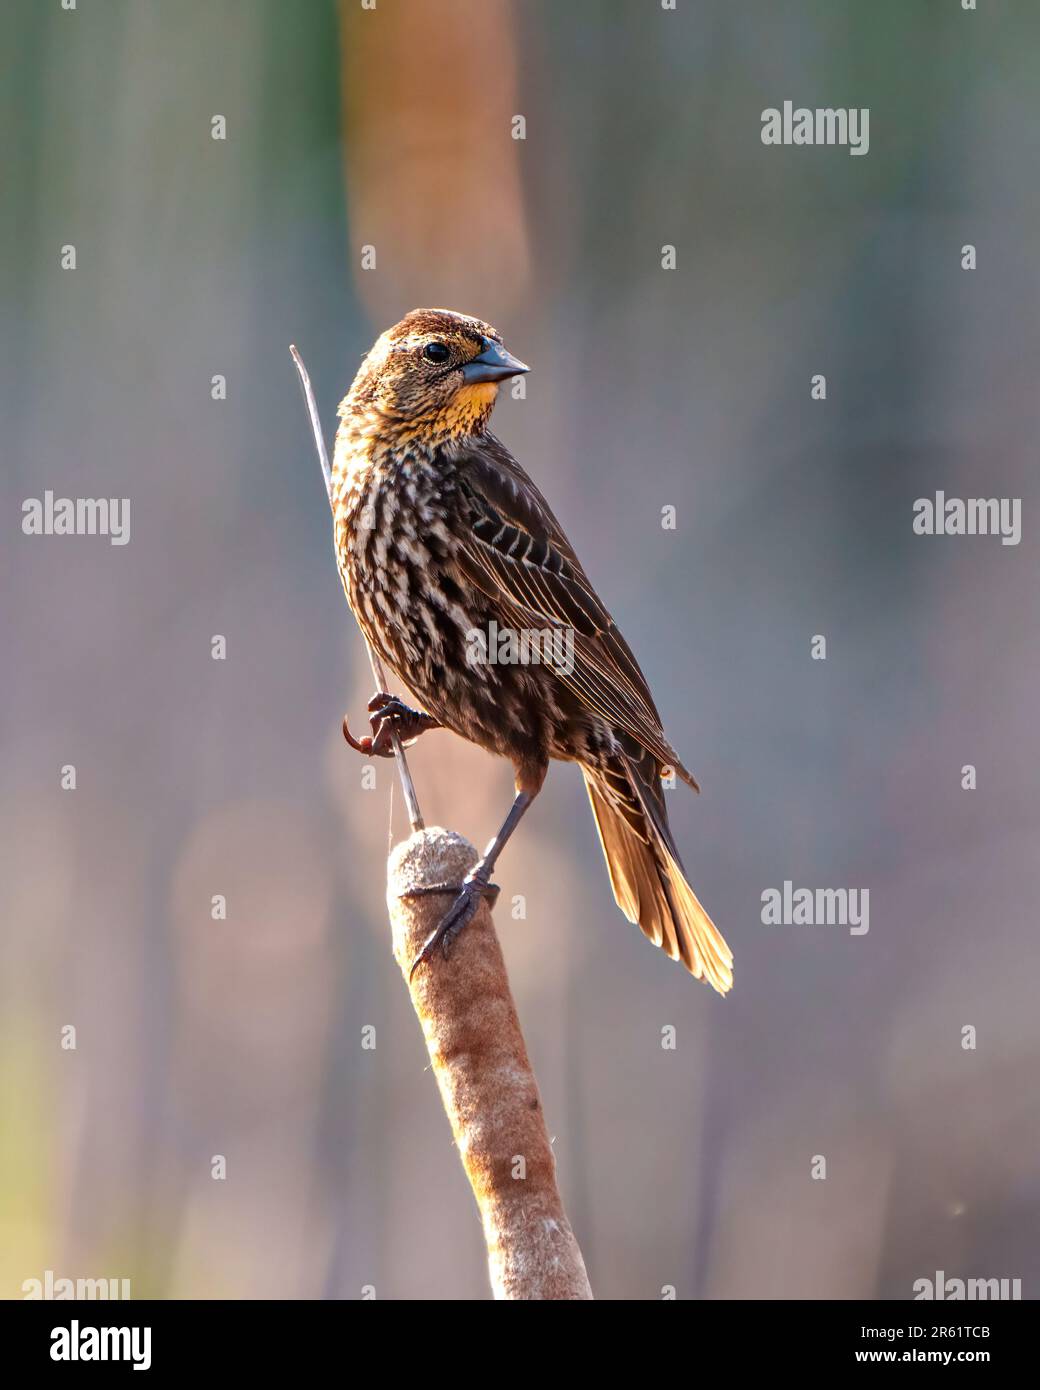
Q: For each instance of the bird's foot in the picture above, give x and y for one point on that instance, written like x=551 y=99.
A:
x=389 y=714
x=474 y=886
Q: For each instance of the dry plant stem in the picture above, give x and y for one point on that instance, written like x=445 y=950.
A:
x=379 y=675
x=487 y=1086
x=475 y=1044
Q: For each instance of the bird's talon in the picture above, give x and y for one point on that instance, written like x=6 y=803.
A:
x=364 y=745
x=392 y=708
x=389 y=715
x=423 y=890
x=462 y=910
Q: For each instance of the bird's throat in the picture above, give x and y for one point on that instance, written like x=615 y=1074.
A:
x=370 y=433
x=467 y=411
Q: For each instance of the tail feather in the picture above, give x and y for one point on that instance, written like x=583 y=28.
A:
x=646 y=873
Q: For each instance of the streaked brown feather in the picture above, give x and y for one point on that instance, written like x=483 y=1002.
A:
x=555 y=592
x=650 y=886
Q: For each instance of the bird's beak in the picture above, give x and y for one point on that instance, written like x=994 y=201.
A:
x=493 y=364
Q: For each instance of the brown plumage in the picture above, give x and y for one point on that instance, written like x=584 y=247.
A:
x=440 y=534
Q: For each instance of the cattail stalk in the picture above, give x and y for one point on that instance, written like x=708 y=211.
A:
x=486 y=1083
x=475 y=1044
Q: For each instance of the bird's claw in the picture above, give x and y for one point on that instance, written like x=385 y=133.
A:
x=469 y=893
x=389 y=714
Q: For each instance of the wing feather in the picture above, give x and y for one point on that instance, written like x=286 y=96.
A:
x=516 y=552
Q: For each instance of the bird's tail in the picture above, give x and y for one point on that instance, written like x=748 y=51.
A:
x=646 y=873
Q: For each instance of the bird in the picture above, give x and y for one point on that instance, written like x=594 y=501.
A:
x=440 y=535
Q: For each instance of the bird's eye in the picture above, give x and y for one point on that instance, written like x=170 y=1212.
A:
x=436 y=352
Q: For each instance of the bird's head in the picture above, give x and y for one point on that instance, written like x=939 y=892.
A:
x=436 y=372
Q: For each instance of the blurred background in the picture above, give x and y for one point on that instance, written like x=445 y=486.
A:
x=392 y=128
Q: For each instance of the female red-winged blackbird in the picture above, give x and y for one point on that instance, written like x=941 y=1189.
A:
x=440 y=534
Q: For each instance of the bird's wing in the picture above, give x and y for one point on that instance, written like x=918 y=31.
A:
x=515 y=551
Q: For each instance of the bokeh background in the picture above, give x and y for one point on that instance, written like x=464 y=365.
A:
x=391 y=128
